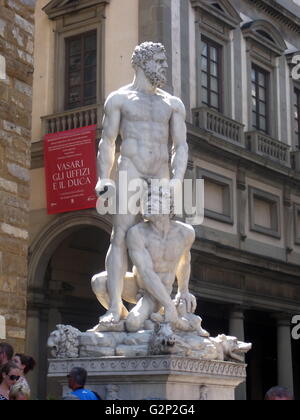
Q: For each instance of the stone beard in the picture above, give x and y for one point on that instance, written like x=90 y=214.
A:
x=155 y=78
x=143 y=57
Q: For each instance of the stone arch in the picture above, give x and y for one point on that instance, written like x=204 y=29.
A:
x=38 y=304
x=53 y=234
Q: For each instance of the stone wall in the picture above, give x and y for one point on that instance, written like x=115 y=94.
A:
x=16 y=50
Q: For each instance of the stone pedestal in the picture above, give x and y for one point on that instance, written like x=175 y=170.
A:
x=154 y=377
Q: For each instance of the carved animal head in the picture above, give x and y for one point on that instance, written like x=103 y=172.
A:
x=64 y=342
x=233 y=348
x=162 y=340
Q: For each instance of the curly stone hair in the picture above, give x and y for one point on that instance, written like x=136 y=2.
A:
x=145 y=52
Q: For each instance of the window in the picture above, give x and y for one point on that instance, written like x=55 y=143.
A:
x=211 y=83
x=218 y=196
x=215 y=21
x=264 y=44
x=259 y=91
x=81 y=70
x=297 y=223
x=297 y=116
x=264 y=213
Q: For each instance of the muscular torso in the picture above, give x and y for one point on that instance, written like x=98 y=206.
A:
x=144 y=129
x=166 y=253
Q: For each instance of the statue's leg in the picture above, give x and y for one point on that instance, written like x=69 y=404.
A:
x=140 y=313
x=99 y=287
x=130 y=290
x=160 y=287
x=116 y=267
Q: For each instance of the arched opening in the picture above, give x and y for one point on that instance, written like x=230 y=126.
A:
x=70 y=269
x=63 y=259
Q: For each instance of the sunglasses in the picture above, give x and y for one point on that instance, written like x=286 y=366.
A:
x=14 y=377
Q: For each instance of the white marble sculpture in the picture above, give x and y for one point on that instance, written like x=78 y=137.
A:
x=146 y=117
x=161 y=341
x=159 y=247
x=160 y=251
x=64 y=342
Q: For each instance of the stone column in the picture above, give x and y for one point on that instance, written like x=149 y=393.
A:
x=284 y=352
x=32 y=347
x=155 y=24
x=236 y=329
x=16 y=69
x=288 y=221
x=242 y=200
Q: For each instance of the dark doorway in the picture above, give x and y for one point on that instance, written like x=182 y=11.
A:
x=260 y=330
x=68 y=297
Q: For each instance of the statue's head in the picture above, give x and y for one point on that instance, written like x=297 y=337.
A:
x=151 y=58
x=157 y=203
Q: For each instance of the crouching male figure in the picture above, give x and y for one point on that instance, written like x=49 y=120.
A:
x=159 y=248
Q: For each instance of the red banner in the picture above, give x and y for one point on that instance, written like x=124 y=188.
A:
x=70 y=164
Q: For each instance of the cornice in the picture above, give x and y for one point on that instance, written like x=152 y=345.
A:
x=200 y=139
x=151 y=365
x=228 y=15
x=279 y=12
x=57 y=8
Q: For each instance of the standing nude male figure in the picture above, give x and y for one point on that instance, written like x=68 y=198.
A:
x=146 y=117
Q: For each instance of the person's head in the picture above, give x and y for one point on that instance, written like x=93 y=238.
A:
x=10 y=374
x=24 y=363
x=278 y=393
x=6 y=353
x=151 y=58
x=77 y=378
x=19 y=392
x=157 y=204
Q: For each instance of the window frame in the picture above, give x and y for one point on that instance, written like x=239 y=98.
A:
x=226 y=183
x=274 y=201
x=67 y=26
x=263 y=53
x=296 y=227
x=296 y=121
x=220 y=74
x=256 y=124
x=217 y=24
x=82 y=36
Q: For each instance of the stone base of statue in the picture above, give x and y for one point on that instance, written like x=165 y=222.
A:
x=165 y=377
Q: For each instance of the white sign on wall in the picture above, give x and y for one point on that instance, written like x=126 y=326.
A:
x=2 y=328
x=296 y=69
x=2 y=68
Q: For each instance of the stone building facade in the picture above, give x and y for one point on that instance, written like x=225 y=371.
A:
x=234 y=64
x=16 y=77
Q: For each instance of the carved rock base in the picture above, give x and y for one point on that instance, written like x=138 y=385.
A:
x=154 y=377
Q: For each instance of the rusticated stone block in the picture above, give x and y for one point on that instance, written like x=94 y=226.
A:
x=16 y=52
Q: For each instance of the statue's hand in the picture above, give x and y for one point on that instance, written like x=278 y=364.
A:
x=103 y=186
x=189 y=299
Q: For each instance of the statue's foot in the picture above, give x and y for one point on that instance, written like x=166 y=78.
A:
x=157 y=317
x=95 y=329
x=171 y=315
x=181 y=324
x=111 y=317
x=203 y=333
x=105 y=327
